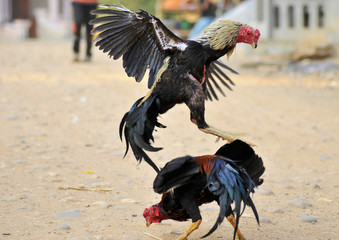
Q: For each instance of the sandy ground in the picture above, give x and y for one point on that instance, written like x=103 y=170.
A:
x=62 y=175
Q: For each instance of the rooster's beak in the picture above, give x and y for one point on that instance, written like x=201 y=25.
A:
x=254 y=45
x=148 y=223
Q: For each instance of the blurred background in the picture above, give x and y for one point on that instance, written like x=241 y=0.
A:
x=288 y=20
x=62 y=171
x=295 y=29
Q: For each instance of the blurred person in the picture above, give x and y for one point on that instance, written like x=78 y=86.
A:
x=81 y=16
x=207 y=15
x=208 y=12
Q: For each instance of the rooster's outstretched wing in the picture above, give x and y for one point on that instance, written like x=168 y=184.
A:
x=176 y=173
x=142 y=39
x=215 y=74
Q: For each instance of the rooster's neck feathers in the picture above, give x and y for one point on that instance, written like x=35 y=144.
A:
x=206 y=163
x=221 y=34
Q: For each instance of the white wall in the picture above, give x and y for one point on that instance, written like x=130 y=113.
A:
x=248 y=13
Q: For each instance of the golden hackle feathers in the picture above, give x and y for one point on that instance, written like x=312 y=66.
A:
x=220 y=34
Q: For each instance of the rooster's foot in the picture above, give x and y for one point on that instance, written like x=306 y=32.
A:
x=189 y=230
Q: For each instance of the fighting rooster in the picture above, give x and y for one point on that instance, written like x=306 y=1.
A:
x=188 y=182
x=180 y=71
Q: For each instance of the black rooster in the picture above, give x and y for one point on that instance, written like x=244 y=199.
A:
x=180 y=71
x=188 y=182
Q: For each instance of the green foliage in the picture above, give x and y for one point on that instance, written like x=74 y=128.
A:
x=134 y=5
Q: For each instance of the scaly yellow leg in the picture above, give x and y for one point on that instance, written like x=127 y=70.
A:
x=232 y=221
x=189 y=230
x=222 y=134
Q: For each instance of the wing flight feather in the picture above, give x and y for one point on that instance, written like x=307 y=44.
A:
x=141 y=39
x=214 y=75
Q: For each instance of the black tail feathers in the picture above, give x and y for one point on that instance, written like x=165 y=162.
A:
x=138 y=125
x=244 y=156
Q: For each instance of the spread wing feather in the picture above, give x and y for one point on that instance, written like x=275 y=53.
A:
x=176 y=173
x=232 y=184
x=140 y=38
x=214 y=75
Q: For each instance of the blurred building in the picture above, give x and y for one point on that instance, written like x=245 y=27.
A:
x=290 y=20
x=286 y=20
x=22 y=19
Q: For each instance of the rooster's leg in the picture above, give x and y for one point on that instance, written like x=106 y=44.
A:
x=232 y=221
x=187 y=198
x=196 y=105
x=189 y=230
x=219 y=133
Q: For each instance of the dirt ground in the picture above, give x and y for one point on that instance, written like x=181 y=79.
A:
x=62 y=175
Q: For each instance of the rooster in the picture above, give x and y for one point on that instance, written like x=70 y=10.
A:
x=188 y=182
x=180 y=71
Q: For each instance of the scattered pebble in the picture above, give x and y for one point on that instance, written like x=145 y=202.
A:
x=134 y=215
x=103 y=204
x=322 y=156
x=264 y=192
x=308 y=219
x=64 y=227
x=25 y=199
x=14 y=117
x=128 y=200
x=89 y=181
x=69 y=199
x=207 y=209
x=287 y=186
x=314 y=186
x=107 y=205
x=324 y=200
x=246 y=215
x=76 y=119
x=63 y=150
x=68 y=214
x=304 y=182
x=98 y=203
x=128 y=181
x=6 y=233
x=18 y=161
x=52 y=174
x=264 y=220
x=120 y=207
x=300 y=202
x=176 y=232
x=273 y=209
x=81 y=237
x=40 y=152
x=9 y=198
